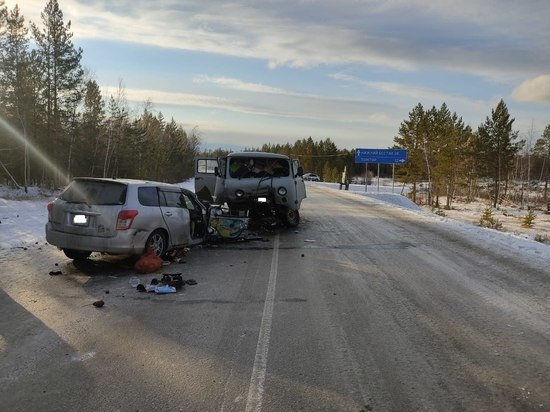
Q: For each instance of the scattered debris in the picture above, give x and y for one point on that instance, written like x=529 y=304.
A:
x=98 y=303
x=56 y=273
x=163 y=289
x=170 y=283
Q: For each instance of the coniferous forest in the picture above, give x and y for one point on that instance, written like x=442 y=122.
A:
x=55 y=123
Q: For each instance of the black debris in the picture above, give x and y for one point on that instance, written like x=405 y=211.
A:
x=98 y=303
x=56 y=273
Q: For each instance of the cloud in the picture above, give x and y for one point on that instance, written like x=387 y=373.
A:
x=237 y=84
x=534 y=90
x=411 y=93
x=497 y=39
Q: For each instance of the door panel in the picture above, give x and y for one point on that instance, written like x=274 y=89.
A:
x=176 y=216
x=205 y=178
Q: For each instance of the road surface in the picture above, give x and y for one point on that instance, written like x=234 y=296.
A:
x=362 y=307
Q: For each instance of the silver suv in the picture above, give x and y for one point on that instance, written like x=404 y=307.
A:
x=124 y=216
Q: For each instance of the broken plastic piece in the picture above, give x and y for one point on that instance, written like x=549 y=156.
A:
x=163 y=289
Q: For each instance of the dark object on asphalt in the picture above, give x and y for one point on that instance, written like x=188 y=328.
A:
x=140 y=288
x=56 y=273
x=98 y=303
x=154 y=281
x=106 y=292
x=191 y=282
x=173 y=279
x=302 y=255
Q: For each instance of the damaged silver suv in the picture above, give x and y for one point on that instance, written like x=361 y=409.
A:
x=124 y=216
x=253 y=184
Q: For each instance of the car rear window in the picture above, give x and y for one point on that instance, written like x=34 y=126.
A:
x=94 y=192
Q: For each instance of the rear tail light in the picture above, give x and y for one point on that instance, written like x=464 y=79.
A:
x=50 y=210
x=125 y=219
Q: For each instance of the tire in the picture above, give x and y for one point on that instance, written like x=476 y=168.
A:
x=291 y=217
x=77 y=254
x=158 y=242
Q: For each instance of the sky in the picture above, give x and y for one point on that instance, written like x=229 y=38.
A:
x=245 y=73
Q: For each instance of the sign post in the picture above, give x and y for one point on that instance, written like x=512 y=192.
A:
x=384 y=156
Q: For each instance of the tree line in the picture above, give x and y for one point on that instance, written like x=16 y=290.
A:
x=55 y=123
x=451 y=159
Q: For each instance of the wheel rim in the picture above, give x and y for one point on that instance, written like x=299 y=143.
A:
x=157 y=243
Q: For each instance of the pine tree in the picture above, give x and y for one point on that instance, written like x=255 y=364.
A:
x=18 y=95
x=92 y=130
x=542 y=148
x=62 y=77
x=497 y=146
x=411 y=137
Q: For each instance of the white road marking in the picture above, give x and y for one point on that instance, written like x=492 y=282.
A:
x=256 y=388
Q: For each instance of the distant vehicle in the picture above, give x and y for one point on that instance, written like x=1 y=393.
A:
x=312 y=177
x=124 y=216
x=253 y=184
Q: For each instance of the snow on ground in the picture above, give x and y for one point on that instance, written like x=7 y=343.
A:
x=23 y=216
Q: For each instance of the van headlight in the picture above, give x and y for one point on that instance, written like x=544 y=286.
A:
x=281 y=191
x=239 y=194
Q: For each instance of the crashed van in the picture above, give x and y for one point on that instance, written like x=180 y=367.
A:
x=252 y=184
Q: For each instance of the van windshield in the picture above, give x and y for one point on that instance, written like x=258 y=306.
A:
x=95 y=193
x=254 y=167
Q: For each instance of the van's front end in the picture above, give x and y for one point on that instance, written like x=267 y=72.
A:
x=259 y=184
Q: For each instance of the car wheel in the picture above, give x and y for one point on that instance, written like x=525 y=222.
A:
x=157 y=241
x=291 y=217
x=76 y=254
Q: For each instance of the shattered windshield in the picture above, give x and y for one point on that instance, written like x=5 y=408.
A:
x=253 y=167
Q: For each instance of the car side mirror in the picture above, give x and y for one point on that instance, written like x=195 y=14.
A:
x=300 y=171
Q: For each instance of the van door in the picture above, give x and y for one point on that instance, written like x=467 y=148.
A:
x=300 y=185
x=205 y=178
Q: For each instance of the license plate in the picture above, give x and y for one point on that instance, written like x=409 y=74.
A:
x=80 y=220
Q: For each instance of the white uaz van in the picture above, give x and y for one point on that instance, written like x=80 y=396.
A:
x=253 y=184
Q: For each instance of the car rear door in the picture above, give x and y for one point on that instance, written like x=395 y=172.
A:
x=205 y=178
x=176 y=216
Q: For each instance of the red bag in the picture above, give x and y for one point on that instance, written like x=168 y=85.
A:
x=149 y=262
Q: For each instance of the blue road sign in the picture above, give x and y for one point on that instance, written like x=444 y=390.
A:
x=387 y=156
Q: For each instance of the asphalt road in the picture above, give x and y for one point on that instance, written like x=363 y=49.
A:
x=363 y=307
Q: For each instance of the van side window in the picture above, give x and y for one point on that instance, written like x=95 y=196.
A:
x=206 y=165
x=148 y=196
